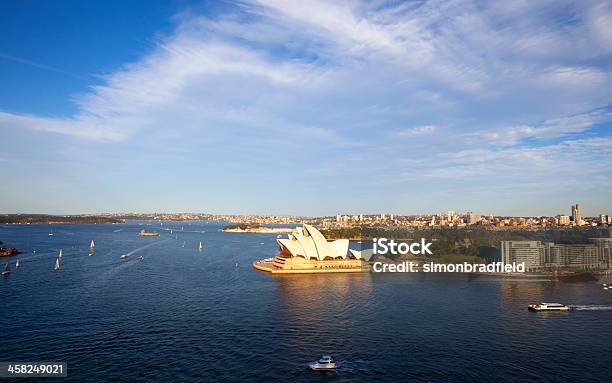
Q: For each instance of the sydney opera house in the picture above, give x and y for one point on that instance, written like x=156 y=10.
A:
x=307 y=251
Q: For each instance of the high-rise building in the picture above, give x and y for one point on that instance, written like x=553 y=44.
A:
x=563 y=220
x=473 y=218
x=338 y=218
x=576 y=215
x=603 y=219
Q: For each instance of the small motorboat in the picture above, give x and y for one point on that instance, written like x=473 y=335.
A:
x=606 y=287
x=141 y=258
x=325 y=363
x=124 y=256
x=548 y=307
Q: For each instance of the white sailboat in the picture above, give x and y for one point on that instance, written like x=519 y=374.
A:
x=7 y=269
x=17 y=264
x=60 y=255
x=200 y=246
x=92 y=244
x=57 y=264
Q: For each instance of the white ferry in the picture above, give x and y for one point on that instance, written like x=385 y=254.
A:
x=548 y=307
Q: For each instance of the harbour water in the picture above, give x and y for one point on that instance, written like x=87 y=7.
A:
x=187 y=315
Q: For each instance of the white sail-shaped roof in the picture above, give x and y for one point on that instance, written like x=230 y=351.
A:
x=310 y=243
x=324 y=250
x=340 y=246
x=307 y=243
x=364 y=254
x=293 y=247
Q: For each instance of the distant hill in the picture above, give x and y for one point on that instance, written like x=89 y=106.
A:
x=55 y=219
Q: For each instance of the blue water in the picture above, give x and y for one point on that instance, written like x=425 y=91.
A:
x=190 y=316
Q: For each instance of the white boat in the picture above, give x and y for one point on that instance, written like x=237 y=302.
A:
x=60 y=255
x=124 y=256
x=200 y=246
x=17 y=264
x=50 y=234
x=606 y=288
x=548 y=307
x=325 y=363
x=92 y=244
x=57 y=264
x=7 y=269
x=141 y=258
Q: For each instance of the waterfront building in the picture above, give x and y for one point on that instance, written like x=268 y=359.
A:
x=539 y=256
x=532 y=253
x=307 y=251
x=572 y=256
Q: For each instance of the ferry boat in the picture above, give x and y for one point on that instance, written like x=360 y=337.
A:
x=325 y=363
x=143 y=233
x=548 y=307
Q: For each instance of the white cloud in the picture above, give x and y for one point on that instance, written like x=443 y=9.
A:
x=420 y=130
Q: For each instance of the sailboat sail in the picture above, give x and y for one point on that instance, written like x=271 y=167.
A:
x=92 y=244
x=200 y=245
x=57 y=265
x=17 y=263
x=60 y=255
x=7 y=268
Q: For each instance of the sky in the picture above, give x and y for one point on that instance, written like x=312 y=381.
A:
x=306 y=108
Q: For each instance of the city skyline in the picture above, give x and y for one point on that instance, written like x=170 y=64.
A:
x=264 y=107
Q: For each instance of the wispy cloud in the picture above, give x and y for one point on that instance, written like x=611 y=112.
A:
x=421 y=130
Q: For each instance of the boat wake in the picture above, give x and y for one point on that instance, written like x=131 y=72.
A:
x=146 y=246
x=590 y=307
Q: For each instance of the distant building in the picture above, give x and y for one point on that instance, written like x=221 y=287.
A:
x=603 y=219
x=576 y=215
x=473 y=218
x=563 y=220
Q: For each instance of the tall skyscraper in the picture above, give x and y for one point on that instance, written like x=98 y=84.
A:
x=576 y=216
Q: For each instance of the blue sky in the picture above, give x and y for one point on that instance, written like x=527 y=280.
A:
x=311 y=108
